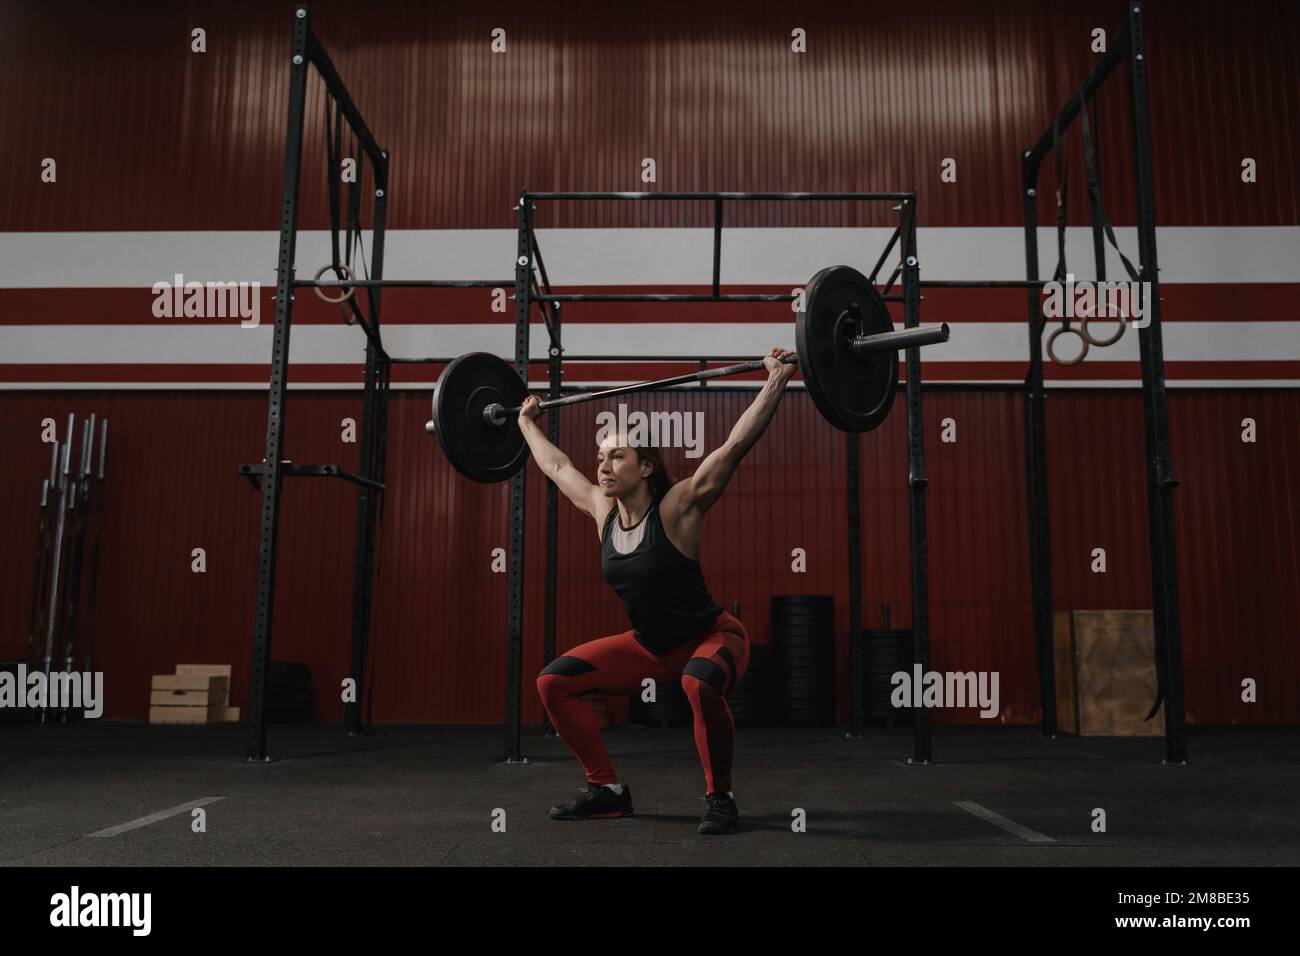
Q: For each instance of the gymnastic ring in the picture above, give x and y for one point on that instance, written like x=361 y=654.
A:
x=352 y=290
x=1051 y=351
x=1102 y=343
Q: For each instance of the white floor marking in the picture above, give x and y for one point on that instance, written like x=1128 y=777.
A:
x=1011 y=826
x=156 y=817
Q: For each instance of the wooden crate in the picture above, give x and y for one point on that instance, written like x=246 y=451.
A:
x=217 y=687
x=231 y=714
x=207 y=670
x=187 y=715
x=1105 y=673
x=188 y=699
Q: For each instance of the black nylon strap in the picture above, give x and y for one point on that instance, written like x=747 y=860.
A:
x=333 y=159
x=354 y=227
x=1062 y=200
x=1092 y=170
x=1094 y=190
x=354 y=200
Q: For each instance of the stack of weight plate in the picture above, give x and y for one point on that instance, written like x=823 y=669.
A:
x=749 y=699
x=885 y=653
x=803 y=638
x=288 y=698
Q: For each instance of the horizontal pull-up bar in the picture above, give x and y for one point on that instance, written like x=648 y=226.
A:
x=665 y=297
x=890 y=197
x=404 y=283
x=674 y=297
x=592 y=358
x=641 y=296
x=983 y=283
x=548 y=296
x=638 y=297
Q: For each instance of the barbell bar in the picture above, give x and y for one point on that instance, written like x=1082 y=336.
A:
x=496 y=414
x=845 y=345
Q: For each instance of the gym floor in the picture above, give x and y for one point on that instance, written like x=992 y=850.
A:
x=122 y=794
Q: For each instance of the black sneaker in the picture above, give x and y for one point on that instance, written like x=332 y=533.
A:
x=722 y=815
x=597 y=802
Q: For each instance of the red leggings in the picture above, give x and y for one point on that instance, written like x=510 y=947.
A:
x=708 y=668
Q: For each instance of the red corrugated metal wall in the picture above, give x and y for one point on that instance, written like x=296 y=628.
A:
x=440 y=624
x=1237 y=524
x=149 y=135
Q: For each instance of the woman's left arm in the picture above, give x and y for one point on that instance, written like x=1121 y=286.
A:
x=702 y=489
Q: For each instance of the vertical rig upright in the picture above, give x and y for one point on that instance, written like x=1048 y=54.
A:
x=374 y=459
x=515 y=626
x=271 y=474
x=916 y=480
x=1035 y=425
x=1160 y=467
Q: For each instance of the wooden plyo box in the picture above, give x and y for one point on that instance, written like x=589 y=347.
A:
x=213 y=670
x=186 y=715
x=188 y=699
x=207 y=670
x=1105 y=673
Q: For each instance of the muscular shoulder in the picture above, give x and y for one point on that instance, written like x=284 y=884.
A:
x=674 y=504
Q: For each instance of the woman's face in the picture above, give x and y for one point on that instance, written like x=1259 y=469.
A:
x=618 y=472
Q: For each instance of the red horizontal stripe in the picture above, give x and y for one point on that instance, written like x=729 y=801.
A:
x=259 y=375
x=1254 y=302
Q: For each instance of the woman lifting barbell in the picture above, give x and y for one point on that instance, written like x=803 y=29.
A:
x=649 y=529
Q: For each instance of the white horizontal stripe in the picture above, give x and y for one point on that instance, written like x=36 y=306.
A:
x=328 y=344
x=782 y=257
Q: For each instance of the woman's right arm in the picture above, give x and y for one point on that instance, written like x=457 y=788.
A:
x=554 y=463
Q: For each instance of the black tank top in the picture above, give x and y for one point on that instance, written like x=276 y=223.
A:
x=663 y=590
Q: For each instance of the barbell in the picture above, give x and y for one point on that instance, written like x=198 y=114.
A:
x=846 y=348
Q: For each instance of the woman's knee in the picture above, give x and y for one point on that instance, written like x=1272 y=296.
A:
x=556 y=676
x=549 y=687
x=701 y=677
